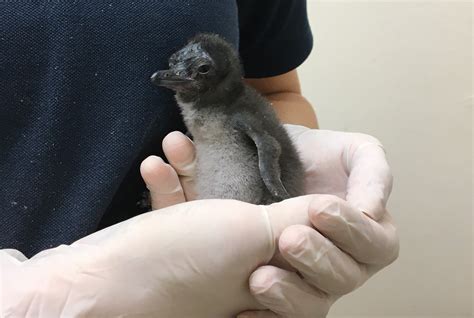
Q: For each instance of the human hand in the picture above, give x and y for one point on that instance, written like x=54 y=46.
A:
x=352 y=234
x=356 y=236
x=171 y=183
x=165 y=263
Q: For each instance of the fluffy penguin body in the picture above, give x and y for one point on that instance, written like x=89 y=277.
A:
x=243 y=151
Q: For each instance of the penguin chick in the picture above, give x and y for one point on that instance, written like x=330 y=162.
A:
x=243 y=152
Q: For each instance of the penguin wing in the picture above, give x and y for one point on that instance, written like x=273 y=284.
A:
x=268 y=150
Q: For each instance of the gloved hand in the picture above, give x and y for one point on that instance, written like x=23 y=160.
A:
x=351 y=236
x=189 y=260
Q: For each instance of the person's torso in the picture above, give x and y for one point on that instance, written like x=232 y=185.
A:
x=77 y=110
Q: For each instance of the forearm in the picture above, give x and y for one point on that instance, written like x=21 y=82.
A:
x=284 y=92
x=293 y=108
x=113 y=272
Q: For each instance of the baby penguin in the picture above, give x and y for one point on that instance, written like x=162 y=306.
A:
x=243 y=152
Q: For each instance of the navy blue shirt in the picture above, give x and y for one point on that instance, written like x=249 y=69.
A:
x=78 y=113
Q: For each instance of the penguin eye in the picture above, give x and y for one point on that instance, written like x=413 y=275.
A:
x=204 y=69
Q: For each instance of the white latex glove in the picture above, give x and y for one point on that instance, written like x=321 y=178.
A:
x=351 y=237
x=189 y=260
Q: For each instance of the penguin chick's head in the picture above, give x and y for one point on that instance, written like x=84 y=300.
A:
x=206 y=62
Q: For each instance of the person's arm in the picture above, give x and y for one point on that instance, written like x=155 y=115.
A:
x=188 y=260
x=284 y=92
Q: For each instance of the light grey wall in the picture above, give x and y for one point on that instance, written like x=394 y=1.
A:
x=402 y=71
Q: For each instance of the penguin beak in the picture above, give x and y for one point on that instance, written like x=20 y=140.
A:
x=170 y=79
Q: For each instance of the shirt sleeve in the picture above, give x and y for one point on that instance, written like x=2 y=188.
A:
x=275 y=36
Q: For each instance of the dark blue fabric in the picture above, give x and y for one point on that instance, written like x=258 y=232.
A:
x=275 y=36
x=78 y=113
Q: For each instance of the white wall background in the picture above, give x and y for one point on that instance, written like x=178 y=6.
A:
x=402 y=71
